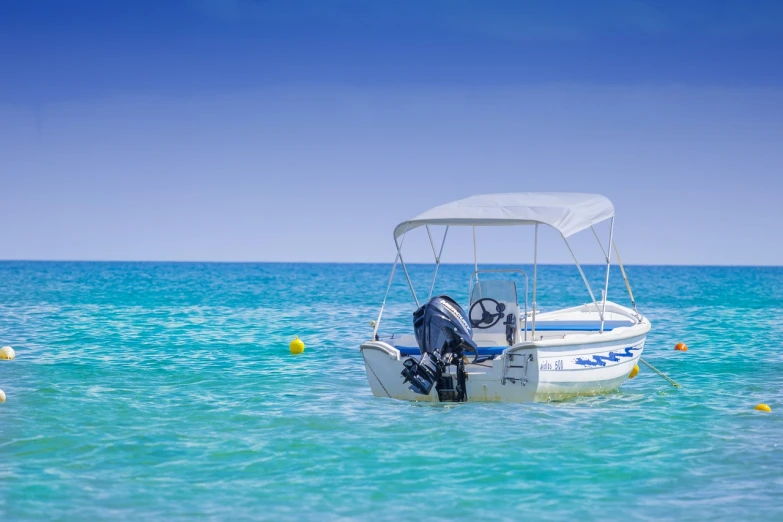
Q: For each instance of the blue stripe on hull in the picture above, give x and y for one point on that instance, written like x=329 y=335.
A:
x=600 y=360
x=576 y=326
x=595 y=360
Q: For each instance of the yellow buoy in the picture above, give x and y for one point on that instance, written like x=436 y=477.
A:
x=634 y=372
x=680 y=347
x=762 y=407
x=2 y=396
x=7 y=353
x=296 y=346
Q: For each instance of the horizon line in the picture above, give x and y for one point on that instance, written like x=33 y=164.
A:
x=159 y=261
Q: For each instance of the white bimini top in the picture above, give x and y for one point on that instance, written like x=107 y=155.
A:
x=566 y=212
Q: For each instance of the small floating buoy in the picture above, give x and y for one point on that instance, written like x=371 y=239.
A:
x=762 y=407
x=296 y=346
x=634 y=372
x=680 y=347
x=2 y=396
x=7 y=353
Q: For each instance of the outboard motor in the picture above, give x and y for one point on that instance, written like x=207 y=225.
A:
x=443 y=334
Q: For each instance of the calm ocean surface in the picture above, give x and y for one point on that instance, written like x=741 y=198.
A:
x=166 y=391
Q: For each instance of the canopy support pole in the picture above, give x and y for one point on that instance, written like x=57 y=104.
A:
x=432 y=243
x=608 y=264
x=405 y=269
x=599 y=241
x=383 y=305
x=620 y=263
x=535 y=281
x=475 y=255
x=625 y=278
x=437 y=258
x=579 y=267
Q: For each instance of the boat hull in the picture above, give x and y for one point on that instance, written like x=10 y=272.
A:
x=526 y=372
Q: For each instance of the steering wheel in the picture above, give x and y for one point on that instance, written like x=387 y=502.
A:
x=486 y=318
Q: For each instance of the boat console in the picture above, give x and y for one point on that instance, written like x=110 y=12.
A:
x=494 y=312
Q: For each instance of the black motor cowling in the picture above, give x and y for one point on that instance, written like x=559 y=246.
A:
x=443 y=334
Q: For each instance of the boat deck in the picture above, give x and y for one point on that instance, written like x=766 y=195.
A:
x=559 y=324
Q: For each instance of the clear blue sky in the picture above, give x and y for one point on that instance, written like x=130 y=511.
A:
x=305 y=130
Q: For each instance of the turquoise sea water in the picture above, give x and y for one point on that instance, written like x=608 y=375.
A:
x=166 y=391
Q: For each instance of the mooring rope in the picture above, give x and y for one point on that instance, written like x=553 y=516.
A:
x=659 y=372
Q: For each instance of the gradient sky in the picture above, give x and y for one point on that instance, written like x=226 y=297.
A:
x=306 y=130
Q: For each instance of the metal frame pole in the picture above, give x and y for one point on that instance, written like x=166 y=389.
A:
x=432 y=243
x=578 y=266
x=625 y=278
x=535 y=282
x=526 y=297
x=620 y=264
x=608 y=265
x=383 y=305
x=437 y=257
x=599 y=240
x=405 y=269
x=475 y=254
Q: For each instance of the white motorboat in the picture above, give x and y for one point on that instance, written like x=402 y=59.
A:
x=499 y=351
